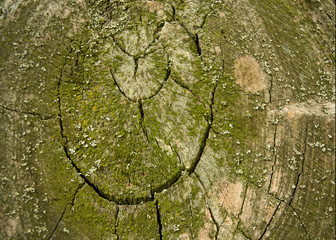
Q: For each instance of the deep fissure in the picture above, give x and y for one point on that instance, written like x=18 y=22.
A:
x=142 y=124
x=158 y=218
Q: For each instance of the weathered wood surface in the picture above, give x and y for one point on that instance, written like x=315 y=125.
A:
x=167 y=119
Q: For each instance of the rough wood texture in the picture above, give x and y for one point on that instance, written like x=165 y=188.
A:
x=167 y=119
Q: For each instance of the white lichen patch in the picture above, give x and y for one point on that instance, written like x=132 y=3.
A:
x=248 y=74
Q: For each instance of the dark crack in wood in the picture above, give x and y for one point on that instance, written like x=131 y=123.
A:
x=31 y=113
x=188 y=89
x=300 y=220
x=198 y=46
x=284 y=201
x=214 y=221
x=206 y=133
x=143 y=54
x=142 y=116
x=275 y=157
x=208 y=207
x=204 y=19
x=129 y=200
x=121 y=47
x=193 y=37
x=116 y=223
x=244 y=234
x=238 y=228
x=302 y=165
x=158 y=218
x=165 y=79
x=119 y=88
x=269 y=222
x=72 y=203
x=161 y=85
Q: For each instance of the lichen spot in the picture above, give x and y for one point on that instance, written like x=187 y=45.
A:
x=248 y=74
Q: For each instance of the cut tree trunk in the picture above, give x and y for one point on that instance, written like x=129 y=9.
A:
x=167 y=119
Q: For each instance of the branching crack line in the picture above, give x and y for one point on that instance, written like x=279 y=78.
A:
x=165 y=79
x=42 y=117
x=204 y=19
x=298 y=180
x=158 y=218
x=217 y=224
x=243 y=203
x=206 y=133
x=269 y=222
x=302 y=165
x=119 y=88
x=116 y=223
x=156 y=37
x=130 y=200
x=187 y=88
x=282 y=201
x=194 y=38
x=65 y=208
x=244 y=234
x=121 y=47
x=214 y=221
x=275 y=158
x=240 y=213
x=300 y=220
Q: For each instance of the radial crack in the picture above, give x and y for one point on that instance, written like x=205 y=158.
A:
x=269 y=222
x=204 y=19
x=302 y=165
x=142 y=124
x=214 y=221
x=64 y=210
x=282 y=201
x=205 y=135
x=244 y=234
x=240 y=213
x=116 y=223
x=166 y=77
x=243 y=203
x=121 y=47
x=270 y=89
x=119 y=88
x=275 y=158
x=158 y=218
x=42 y=117
x=303 y=226
x=209 y=208
x=194 y=38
